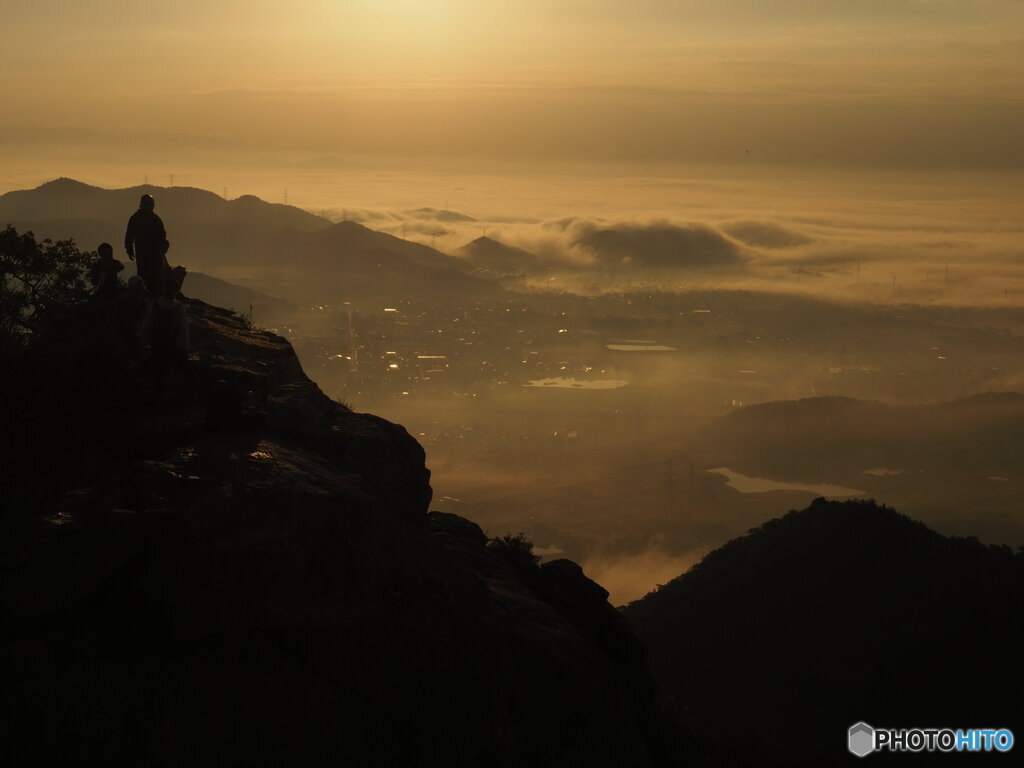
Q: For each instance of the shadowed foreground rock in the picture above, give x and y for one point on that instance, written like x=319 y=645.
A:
x=243 y=572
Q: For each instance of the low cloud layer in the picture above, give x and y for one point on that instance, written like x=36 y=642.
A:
x=873 y=251
x=892 y=237
x=765 y=234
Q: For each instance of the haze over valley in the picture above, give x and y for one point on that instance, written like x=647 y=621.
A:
x=559 y=382
x=598 y=387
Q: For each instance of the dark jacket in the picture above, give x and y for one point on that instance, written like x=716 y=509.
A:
x=145 y=233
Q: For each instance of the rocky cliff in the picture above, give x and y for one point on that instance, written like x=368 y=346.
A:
x=221 y=566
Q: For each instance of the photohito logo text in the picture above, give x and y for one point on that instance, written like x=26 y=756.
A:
x=863 y=739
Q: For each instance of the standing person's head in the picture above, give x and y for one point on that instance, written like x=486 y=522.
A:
x=105 y=251
x=147 y=203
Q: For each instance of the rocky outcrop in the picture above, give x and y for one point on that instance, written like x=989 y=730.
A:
x=222 y=566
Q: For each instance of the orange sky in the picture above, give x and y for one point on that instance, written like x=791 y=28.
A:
x=889 y=83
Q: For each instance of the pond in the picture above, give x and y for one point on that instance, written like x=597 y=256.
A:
x=640 y=348
x=747 y=484
x=561 y=382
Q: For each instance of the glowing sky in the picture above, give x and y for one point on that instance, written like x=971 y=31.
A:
x=915 y=83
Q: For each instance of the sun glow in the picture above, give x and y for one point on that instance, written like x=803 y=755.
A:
x=385 y=17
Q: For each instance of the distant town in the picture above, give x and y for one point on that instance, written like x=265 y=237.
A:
x=414 y=348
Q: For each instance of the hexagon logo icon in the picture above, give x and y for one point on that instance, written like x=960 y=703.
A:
x=861 y=739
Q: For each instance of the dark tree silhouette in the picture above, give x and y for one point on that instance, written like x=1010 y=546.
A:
x=518 y=548
x=37 y=279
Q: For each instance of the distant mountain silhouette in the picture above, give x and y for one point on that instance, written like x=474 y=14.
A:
x=441 y=215
x=488 y=254
x=67 y=199
x=825 y=437
x=283 y=250
x=780 y=640
x=662 y=247
x=221 y=293
x=361 y=262
x=350 y=236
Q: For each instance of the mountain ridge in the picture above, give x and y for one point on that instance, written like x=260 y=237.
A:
x=486 y=253
x=840 y=612
x=287 y=250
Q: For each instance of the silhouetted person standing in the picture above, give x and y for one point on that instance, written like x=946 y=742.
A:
x=145 y=241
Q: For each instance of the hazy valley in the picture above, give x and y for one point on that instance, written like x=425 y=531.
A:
x=593 y=417
x=552 y=383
